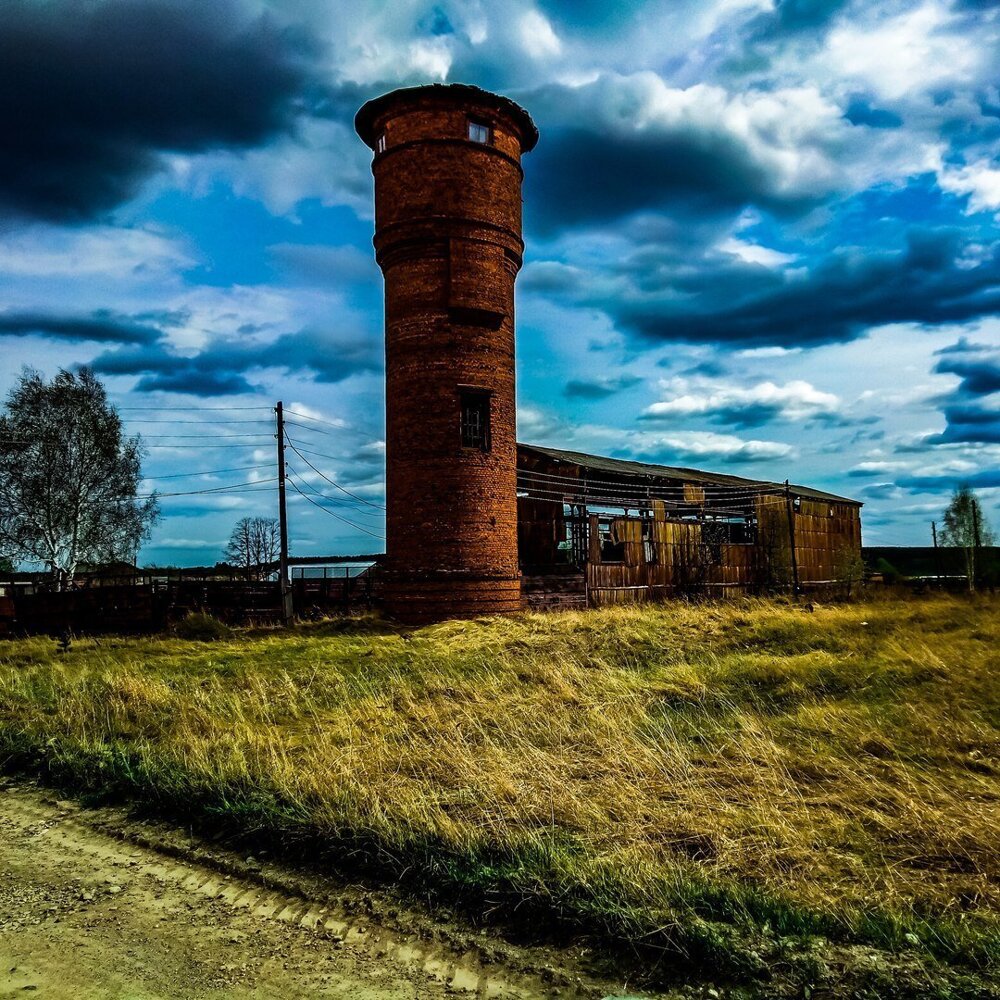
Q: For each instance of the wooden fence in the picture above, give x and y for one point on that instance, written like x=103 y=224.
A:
x=145 y=608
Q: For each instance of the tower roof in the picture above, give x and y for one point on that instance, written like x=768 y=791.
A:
x=366 y=120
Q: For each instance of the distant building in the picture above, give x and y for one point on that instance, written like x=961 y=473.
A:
x=606 y=531
x=468 y=509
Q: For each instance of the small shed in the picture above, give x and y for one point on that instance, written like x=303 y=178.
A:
x=595 y=530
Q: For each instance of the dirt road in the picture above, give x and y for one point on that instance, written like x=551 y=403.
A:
x=96 y=905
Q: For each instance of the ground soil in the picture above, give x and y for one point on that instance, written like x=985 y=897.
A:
x=97 y=904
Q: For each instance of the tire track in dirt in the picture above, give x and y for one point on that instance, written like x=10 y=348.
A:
x=95 y=904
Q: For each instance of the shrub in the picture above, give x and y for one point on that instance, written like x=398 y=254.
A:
x=889 y=572
x=202 y=627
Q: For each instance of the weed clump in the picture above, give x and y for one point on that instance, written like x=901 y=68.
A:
x=201 y=627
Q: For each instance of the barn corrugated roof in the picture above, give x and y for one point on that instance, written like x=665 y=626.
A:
x=624 y=467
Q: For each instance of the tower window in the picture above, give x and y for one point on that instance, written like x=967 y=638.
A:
x=478 y=131
x=474 y=408
x=380 y=144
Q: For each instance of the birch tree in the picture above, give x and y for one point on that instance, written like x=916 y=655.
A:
x=966 y=528
x=68 y=476
x=253 y=545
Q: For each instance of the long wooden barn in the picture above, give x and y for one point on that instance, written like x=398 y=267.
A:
x=596 y=531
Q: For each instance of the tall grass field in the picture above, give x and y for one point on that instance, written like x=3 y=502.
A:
x=782 y=798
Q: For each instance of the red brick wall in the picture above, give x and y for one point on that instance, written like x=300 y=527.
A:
x=448 y=240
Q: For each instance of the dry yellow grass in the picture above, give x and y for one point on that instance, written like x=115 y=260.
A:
x=676 y=771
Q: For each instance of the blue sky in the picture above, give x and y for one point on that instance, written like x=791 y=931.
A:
x=762 y=238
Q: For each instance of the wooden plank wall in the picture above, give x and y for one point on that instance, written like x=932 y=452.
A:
x=824 y=534
x=682 y=563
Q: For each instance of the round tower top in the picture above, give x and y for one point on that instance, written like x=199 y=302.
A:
x=370 y=120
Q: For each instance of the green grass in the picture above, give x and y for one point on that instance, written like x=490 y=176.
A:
x=720 y=781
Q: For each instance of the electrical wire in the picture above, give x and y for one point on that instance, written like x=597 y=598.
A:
x=593 y=492
x=172 y=447
x=341 y=502
x=319 y=420
x=213 y=489
x=204 y=423
x=318 y=454
x=210 y=472
x=720 y=488
x=331 y=482
x=188 y=409
x=327 y=510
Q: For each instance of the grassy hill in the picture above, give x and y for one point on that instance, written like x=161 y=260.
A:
x=789 y=800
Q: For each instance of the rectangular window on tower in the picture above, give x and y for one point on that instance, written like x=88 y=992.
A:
x=478 y=131
x=474 y=409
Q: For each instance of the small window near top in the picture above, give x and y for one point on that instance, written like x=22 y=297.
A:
x=478 y=132
x=475 y=419
x=380 y=144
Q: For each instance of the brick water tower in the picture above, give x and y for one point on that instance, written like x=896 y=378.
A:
x=448 y=177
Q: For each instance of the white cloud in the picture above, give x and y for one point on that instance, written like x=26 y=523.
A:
x=430 y=57
x=793 y=137
x=768 y=352
x=754 y=253
x=698 y=445
x=100 y=251
x=979 y=180
x=897 y=56
x=878 y=467
x=324 y=161
x=795 y=400
x=537 y=36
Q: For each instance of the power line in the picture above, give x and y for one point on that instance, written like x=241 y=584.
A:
x=319 y=420
x=620 y=496
x=354 y=508
x=210 y=472
x=318 y=454
x=339 y=432
x=722 y=489
x=204 y=423
x=330 y=481
x=327 y=510
x=213 y=489
x=187 y=409
x=340 y=501
x=172 y=447
x=162 y=437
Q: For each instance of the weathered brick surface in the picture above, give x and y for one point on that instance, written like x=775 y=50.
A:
x=448 y=240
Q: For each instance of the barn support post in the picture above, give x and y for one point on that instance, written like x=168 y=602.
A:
x=791 y=539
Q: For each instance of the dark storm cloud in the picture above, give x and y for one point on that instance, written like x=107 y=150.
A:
x=220 y=368
x=91 y=93
x=967 y=425
x=582 y=177
x=970 y=418
x=602 y=389
x=978 y=368
x=102 y=326
x=988 y=479
x=195 y=382
x=841 y=297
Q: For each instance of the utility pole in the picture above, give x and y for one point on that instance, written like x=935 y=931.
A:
x=791 y=538
x=937 y=557
x=284 y=584
x=975 y=541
